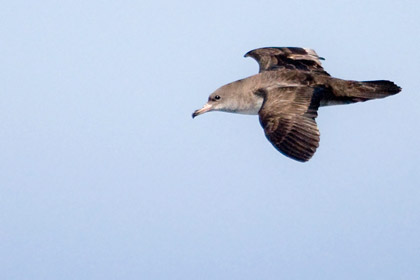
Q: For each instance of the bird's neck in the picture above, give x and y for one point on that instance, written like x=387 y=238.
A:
x=246 y=101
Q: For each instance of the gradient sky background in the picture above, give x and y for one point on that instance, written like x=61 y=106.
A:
x=104 y=175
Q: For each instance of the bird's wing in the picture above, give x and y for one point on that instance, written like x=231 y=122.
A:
x=288 y=118
x=287 y=58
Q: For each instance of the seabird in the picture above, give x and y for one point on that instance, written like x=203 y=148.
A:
x=286 y=94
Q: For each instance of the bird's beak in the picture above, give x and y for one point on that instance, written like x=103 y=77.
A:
x=207 y=107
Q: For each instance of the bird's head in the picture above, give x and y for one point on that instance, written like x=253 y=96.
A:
x=231 y=98
x=220 y=100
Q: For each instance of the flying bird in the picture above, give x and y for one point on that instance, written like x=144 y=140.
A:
x=286 y=94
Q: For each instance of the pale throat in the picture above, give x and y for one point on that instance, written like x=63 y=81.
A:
x=241 y=97
x=250 y=105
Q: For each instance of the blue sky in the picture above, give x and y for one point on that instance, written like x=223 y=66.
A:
x=104 y=175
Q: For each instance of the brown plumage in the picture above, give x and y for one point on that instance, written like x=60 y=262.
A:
x=287 y=93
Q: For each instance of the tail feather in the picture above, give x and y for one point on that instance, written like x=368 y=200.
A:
x=379 y=89
x=346 y=92
x=354 y=91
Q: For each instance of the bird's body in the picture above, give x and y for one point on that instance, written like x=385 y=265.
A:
x=286 y=94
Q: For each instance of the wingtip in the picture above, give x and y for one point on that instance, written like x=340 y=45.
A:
x=249 y=53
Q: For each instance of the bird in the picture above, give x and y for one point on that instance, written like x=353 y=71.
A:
x=286 y=93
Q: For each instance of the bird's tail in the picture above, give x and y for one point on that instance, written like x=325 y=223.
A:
x=379 y=89
x=374 y=89
x=353 y=91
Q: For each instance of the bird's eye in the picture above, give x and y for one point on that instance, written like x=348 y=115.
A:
x=217 y=97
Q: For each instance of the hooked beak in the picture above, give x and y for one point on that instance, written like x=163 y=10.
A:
x=207 y=107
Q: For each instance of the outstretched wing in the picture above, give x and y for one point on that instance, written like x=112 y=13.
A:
x=288 y=118
x=287 y=58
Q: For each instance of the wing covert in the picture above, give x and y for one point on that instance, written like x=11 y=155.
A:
x=275 y=58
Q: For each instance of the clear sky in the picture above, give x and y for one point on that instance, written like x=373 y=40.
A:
x=104 y=175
